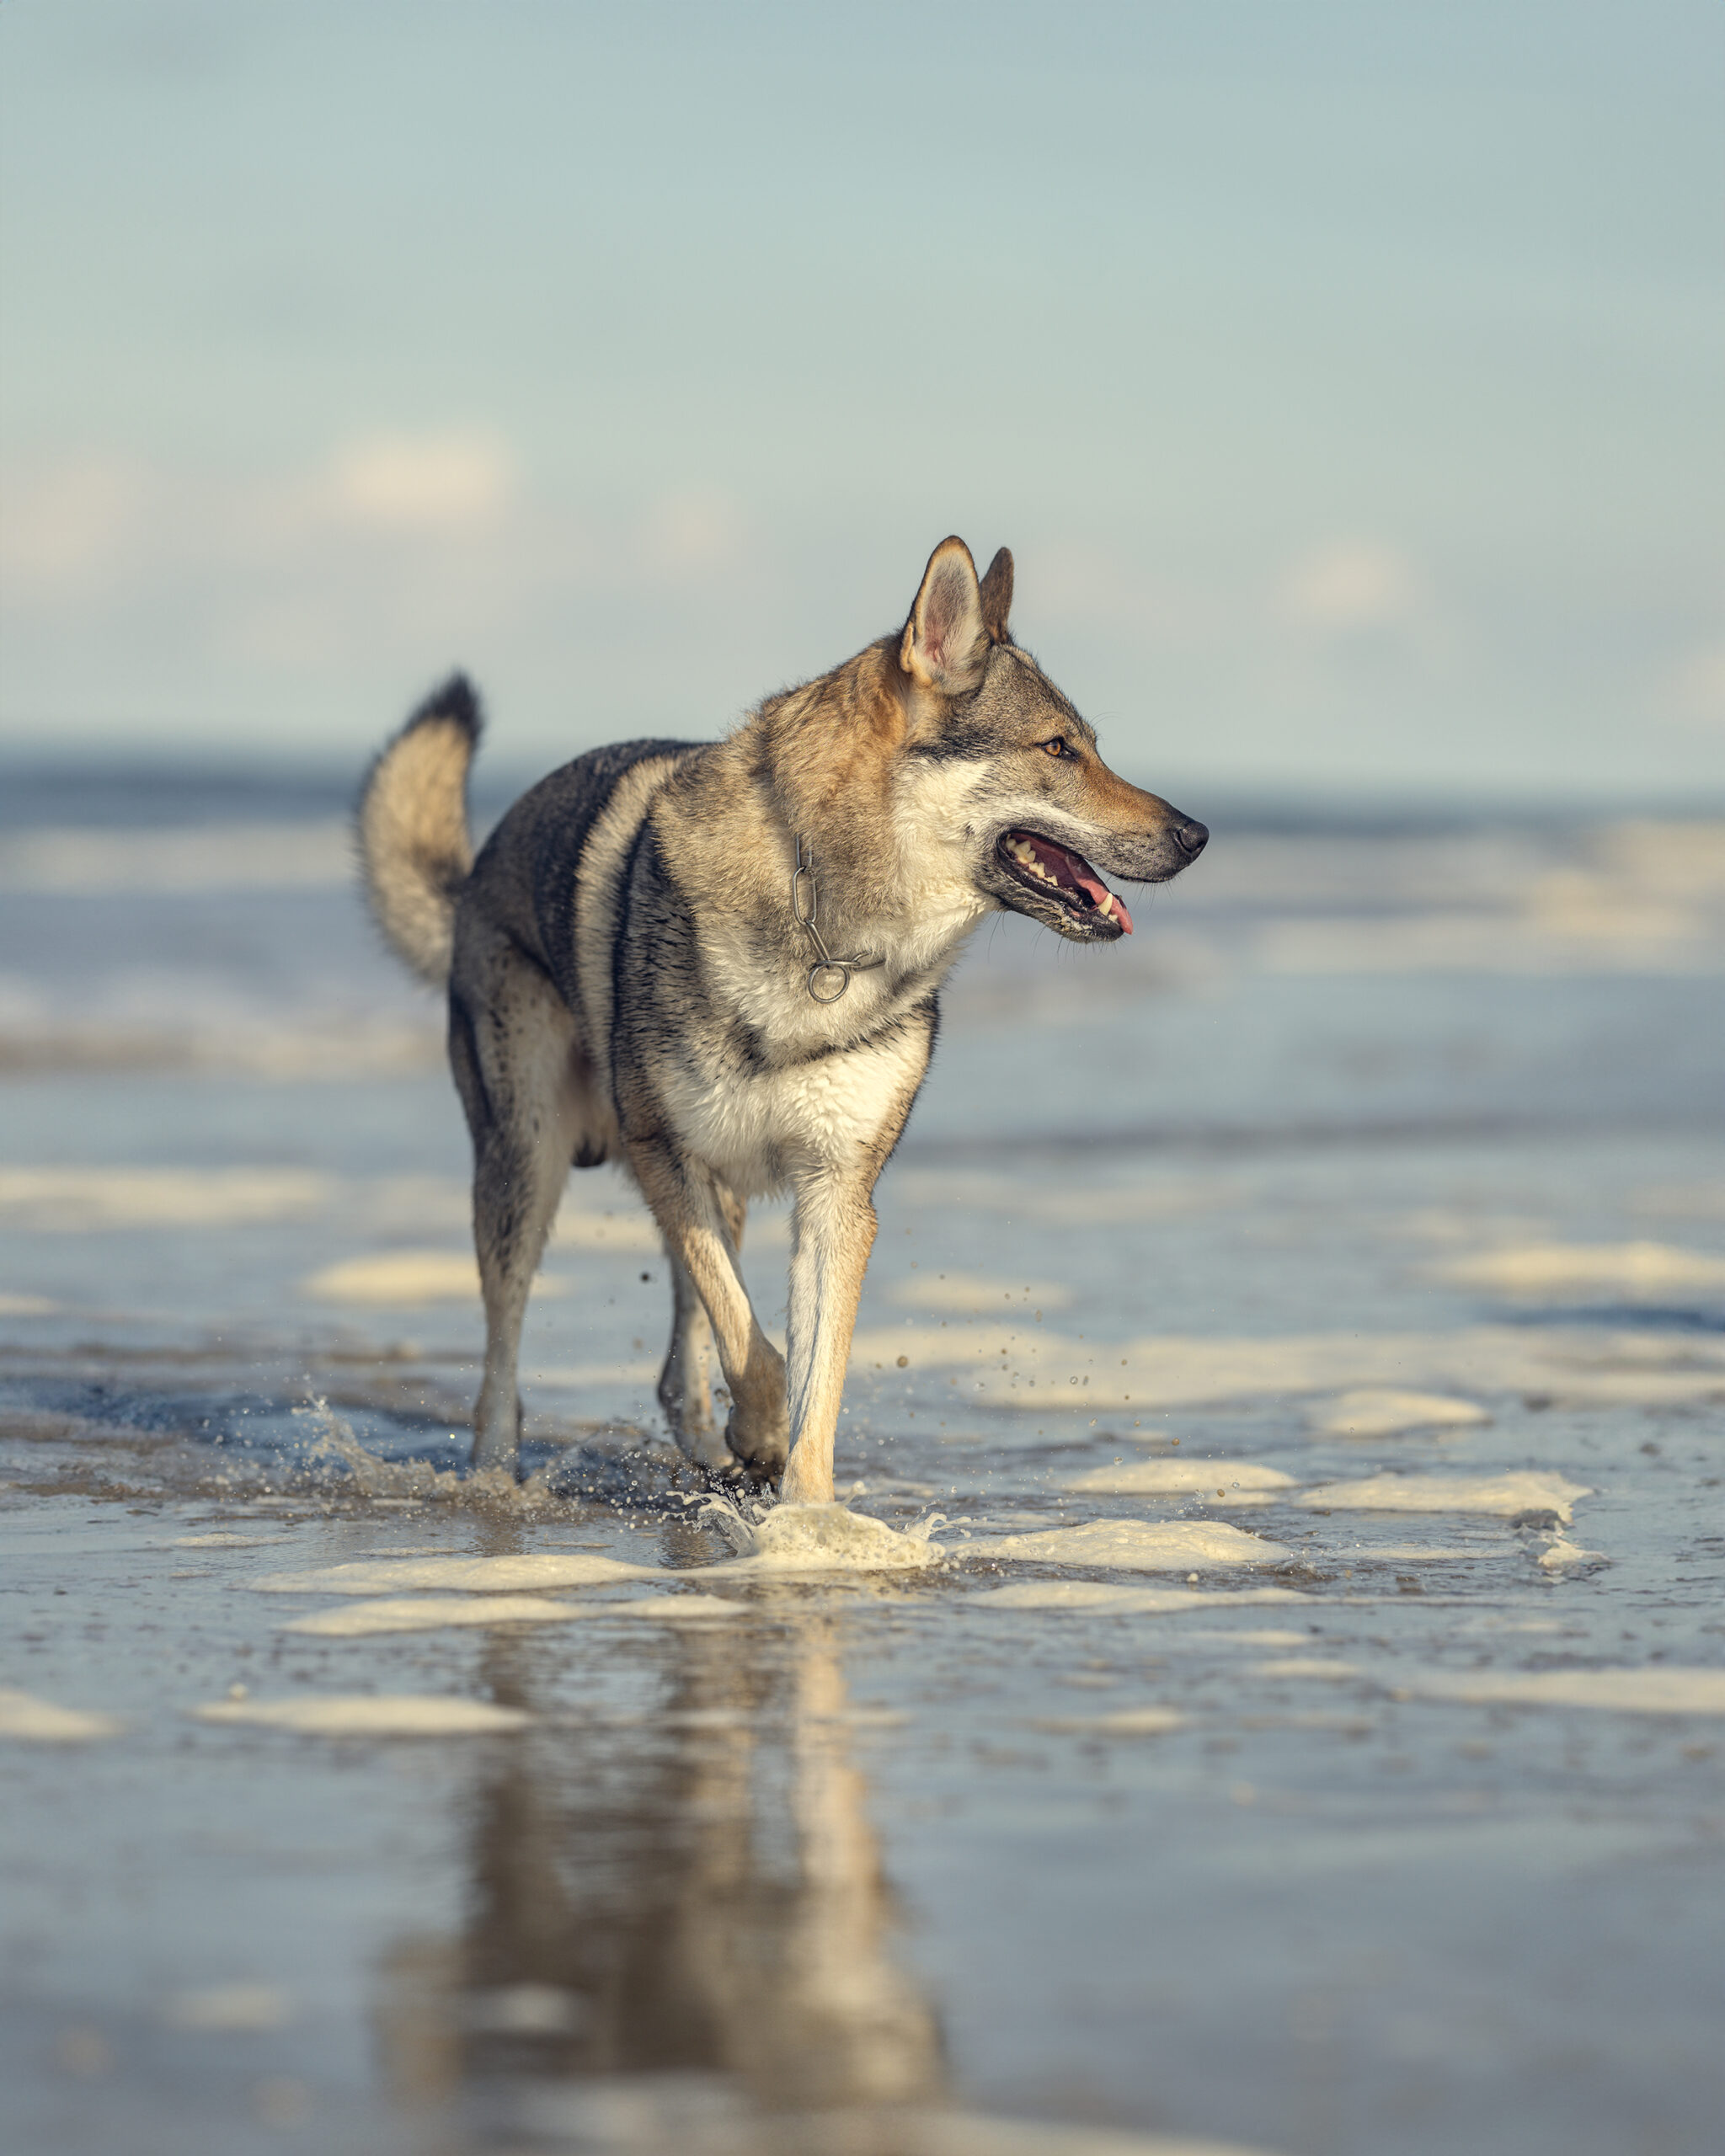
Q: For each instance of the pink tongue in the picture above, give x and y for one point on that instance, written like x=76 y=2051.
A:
x=1068 y=867
x=1099 y=892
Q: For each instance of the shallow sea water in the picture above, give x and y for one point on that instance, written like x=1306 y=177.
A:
x=1265 y=1690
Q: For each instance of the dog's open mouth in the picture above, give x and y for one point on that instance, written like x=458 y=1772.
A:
x=1055 y=872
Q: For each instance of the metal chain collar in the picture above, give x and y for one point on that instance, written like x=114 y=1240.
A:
x=807 y=916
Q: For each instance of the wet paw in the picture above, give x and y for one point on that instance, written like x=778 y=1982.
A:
x=760 y=1444
x=497 y=1436
x=707 y=1448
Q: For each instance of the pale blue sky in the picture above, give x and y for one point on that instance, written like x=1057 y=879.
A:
x=1346 y=378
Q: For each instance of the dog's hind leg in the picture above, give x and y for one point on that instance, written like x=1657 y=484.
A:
x=685 y=1392
x=702 y=1222
x=520 y=1069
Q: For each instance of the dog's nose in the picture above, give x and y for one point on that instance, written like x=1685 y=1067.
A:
x=1191 y=837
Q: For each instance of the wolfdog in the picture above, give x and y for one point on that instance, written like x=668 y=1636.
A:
x=720 y=963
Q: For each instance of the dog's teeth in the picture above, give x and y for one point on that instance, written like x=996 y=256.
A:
x=1107 y=906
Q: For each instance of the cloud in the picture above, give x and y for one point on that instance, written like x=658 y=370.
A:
x=67 y=526
x=687 y=533
x=1348 y=587
x=1086 y=584
x=1696 y=689
x=206 y=590
x=438 y=482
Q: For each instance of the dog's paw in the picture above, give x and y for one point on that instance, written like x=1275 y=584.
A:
x=707 y=1448
x=760 y=1444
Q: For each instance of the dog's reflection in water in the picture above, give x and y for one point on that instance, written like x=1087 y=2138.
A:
x=674 y=1926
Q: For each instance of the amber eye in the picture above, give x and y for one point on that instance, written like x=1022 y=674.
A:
x=1057 y=747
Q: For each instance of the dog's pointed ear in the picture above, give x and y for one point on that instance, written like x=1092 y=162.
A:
x=945 y=643
x=995 y=594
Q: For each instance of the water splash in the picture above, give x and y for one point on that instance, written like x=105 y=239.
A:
x=338 y=1446
x=765 y=1537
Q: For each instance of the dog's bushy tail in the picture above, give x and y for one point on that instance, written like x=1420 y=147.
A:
x=415 y=849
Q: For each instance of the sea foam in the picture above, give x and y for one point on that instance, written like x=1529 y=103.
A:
x=1505 y=1495
x=791 y=1538
x=1136 y=1545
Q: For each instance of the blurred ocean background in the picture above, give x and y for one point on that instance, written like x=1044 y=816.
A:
x=199 y=1027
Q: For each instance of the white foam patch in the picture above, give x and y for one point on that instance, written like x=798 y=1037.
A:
x=236 y=856
x=1623 y=1268
x=1043 y=1372
x=1106 y=1599
x=1305 y=1666
x=1567 y=1556
x=580 y=1377
x=78 y=1200
x=27 y=1306
x=1661 y=1691
x=404 y=1714
x=356 y=1620
x=230 y=2009
x=790 y=1539
x=1504 y=1495
x=1094 y=1207
x=1135 y=1545
x=978 y=1293
x=32 y=1721
x=1374 y=1412
x=539 y=1570
x=1221 y=1482
x=976 y=1190
x=226 y=1541
x=523 y=2011
x=1123 y=1721
x=403 y=1278
x=631 y=1232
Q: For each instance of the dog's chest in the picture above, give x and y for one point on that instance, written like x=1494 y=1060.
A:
x=758 y=1127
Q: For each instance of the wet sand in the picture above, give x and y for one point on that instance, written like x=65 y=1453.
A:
x=1265 y=1690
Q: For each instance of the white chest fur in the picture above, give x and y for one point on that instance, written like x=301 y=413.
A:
x=761 y=1130
x=767 y=1082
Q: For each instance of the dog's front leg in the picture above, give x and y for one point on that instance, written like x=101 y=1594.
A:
x=832 y=1234
x=692 y=1217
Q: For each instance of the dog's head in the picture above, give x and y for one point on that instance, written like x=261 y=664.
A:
x=1043 y=817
